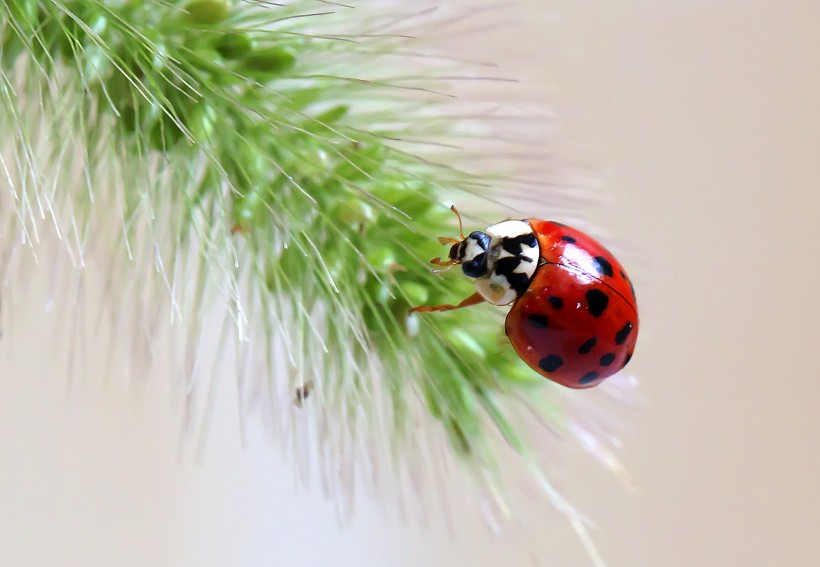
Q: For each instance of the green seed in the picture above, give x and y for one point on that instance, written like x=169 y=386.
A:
x=234 y=45
x=165 y=134
x=414 y=204
x=465 y=341
x=128 y=118
x=249 y=209
x=270 y=61
x=416 y=293
x=22 y=11
x=203 y=121
x=206 y=11
x=380 y=257
x=363 y=161
x=333 y=115
x=354 y=212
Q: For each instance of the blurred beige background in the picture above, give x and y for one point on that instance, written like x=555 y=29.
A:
x=704 y=119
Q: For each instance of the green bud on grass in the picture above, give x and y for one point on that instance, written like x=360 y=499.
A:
x=268 y=63
x=206 y=11
x=233 y=45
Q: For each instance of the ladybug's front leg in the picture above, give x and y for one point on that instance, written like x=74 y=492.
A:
x=474 y=299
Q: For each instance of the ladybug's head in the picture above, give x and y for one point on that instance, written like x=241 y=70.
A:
x=502 y=260
x=471 y=253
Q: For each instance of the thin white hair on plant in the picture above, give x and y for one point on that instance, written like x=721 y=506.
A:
x=290 y=164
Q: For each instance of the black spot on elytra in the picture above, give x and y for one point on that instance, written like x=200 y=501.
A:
x=514 y=244
x=551 y=363
x=632 y=288
x=587 y=346
x=567 y=238
x=538 y=321
x=588 y=377
x=607 y=359
x=620 y=336
x=555 y=301
x=506 y=267
x=603 y=266
x=597 y=301
x=628 y=358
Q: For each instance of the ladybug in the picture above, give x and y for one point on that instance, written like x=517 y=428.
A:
x=574 y=316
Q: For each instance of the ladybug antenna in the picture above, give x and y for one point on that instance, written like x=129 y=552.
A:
x=460 y=224
x=444 y=240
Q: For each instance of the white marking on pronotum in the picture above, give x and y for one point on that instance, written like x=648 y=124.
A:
x=496 y=287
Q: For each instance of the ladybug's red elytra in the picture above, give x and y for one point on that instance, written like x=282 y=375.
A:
x=574 y=317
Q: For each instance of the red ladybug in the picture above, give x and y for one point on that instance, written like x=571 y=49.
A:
x=574 y=317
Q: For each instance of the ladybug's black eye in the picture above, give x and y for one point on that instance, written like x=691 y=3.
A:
x=475 y=268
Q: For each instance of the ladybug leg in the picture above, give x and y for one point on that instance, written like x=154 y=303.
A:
x=474 y=299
